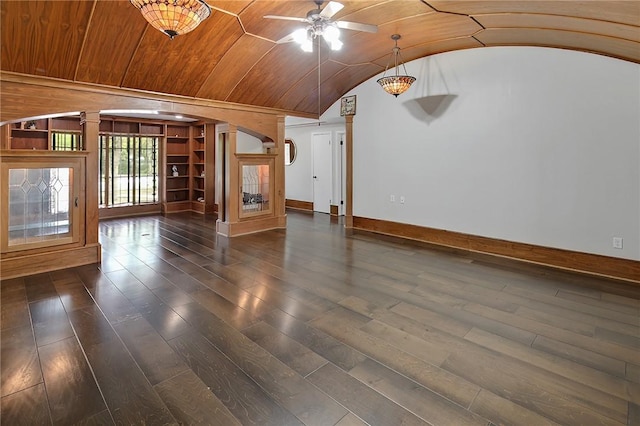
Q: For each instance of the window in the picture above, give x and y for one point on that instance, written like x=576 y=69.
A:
x=66 y=141
x=128 y=170
x=41 y=204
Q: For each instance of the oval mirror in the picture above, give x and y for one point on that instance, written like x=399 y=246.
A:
x=290 y=152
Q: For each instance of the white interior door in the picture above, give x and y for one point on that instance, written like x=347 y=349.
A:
x=322 y=181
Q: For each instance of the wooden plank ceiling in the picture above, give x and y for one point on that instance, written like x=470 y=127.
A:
x=232 y=56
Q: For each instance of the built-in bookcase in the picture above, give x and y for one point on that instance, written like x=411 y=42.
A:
x=177 y=169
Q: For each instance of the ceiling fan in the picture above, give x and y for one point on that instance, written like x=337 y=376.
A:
x=319 y=23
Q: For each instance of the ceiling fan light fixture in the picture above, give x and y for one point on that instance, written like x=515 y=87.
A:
x=336 y=45
x=396 y=84
x=330 y=34
x=173 y=17
x=307 y=46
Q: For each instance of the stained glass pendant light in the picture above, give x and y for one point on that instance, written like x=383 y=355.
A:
x=173 y=17
x=396 y=84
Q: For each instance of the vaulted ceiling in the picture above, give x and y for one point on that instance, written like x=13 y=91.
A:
x=233 y=55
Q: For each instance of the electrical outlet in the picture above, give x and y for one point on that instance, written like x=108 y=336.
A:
x=392 y=198
x=402 y=199
x=617 y=242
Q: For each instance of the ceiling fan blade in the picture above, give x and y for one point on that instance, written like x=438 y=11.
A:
x=331 y=9
x=286 y=39
x=357 y=26
x=285 y=18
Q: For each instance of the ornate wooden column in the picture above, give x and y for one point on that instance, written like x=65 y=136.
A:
x=348 y=217
x=230 y=184
x=90 y=122
x=279 y=169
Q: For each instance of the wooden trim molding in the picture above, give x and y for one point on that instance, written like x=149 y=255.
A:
x=129 y=211
x=299 y=205
x=50 y=261
x=594 y=264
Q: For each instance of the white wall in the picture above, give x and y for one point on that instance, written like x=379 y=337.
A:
x=526 y=144
x=247 y=144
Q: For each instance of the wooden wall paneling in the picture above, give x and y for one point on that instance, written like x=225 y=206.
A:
x=264 y=88
x=26 y=23
x=5 y=136
x=380 y=13
x=233 y=66
x=564 y=23
x=233 y=56
x=625 y=12
x=65 y=123
x=116 y=26
x=298 y=91
x=185 y=62
x=623 y=49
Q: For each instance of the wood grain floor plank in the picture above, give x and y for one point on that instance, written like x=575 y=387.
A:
x=567 y=304
x=397 y=358
x=73 y=295
x=598 y=302
x=632 y=373
x=350 y=420
x=72 y=392
x=360 y=399
x=151 y=352
x=321 y=343
x=91 y=327
x=580 y=356
x=296 y=356
x=192 y=403
x=20 y=367
x=50 y=322
x=599 y=346
x=280 y=382
x=127 y=393
x=501 y=411
x=14 y=314
x=164 y=320
x=536 y=391
x=596 y=379
x=241 y=395
x=100 y=419
x=27 y=407
x=39 y=287
x=419 y=400
x=431 y=352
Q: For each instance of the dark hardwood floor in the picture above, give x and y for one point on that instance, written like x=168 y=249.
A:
x=313 y=326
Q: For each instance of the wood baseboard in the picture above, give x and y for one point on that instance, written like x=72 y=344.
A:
x=234 y=229
x=129 y=211
x=594 y=264
x=299 y=205
x=50 y=261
